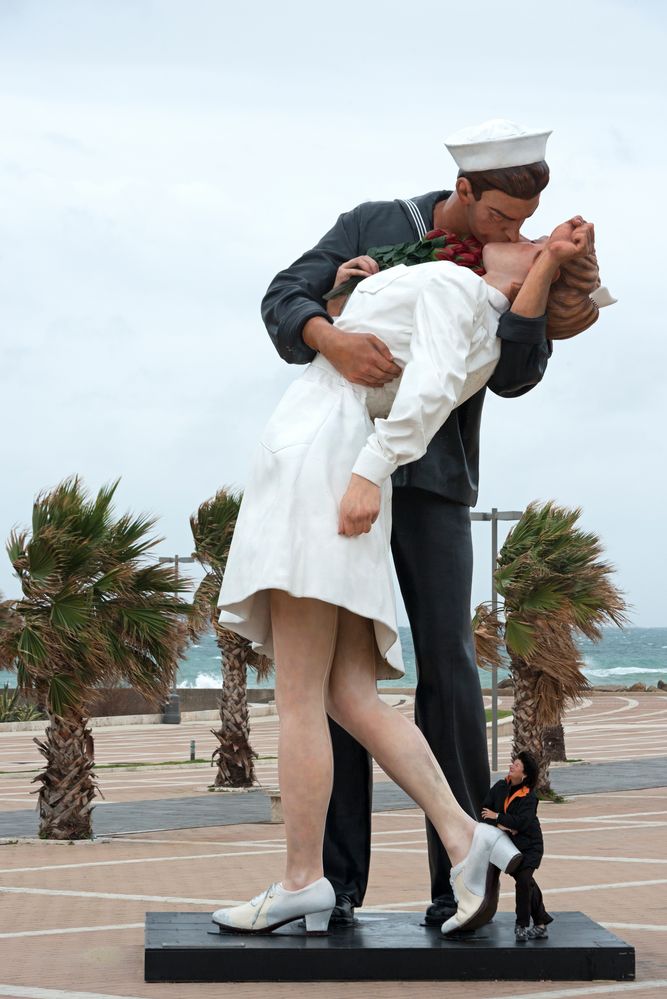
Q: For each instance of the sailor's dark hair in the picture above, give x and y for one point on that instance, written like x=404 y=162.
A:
x=524 y=182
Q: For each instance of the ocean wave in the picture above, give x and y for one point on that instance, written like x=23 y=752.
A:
x=622 y=671
x=203 y=681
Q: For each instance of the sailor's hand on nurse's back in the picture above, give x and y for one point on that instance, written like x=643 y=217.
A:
x=362 y=358
x=359 y=507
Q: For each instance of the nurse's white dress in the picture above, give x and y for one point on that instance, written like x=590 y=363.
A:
x=439 y=321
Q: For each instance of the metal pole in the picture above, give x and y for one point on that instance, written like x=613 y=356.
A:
x=494 y=517
x=494 y=671
x=172 y=713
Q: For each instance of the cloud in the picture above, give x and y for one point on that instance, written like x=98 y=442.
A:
x=161 y=163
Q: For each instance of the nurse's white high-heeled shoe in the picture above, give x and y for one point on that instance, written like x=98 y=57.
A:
x=276 y=906
x=475 y=880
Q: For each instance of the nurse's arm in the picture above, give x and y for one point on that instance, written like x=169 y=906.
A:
x=431 y=386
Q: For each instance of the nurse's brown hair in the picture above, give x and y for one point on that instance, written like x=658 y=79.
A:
x=570 y=309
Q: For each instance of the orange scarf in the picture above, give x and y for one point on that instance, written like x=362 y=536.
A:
x=521 y=793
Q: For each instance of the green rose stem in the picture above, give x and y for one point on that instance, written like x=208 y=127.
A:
x=435 y=245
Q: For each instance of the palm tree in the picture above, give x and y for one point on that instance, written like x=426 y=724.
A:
x=212 y=530
x=93 y=612
x=555 y=587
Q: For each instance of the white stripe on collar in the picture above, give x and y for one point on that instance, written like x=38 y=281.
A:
x=420 y=225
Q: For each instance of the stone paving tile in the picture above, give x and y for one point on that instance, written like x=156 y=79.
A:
x=109 y=961
x=211 y=808
x=598 y=825
x=603 y=728
x=614 y=726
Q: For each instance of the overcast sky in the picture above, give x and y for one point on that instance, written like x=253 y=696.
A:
x=161 y=160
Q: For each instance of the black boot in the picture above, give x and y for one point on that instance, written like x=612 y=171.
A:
x=440 y=909
x=343 y=913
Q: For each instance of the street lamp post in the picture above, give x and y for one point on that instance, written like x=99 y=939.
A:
x=172 y=711
x=494 y=516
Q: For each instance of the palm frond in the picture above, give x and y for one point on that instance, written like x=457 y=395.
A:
x=64 y=695
x=555 y=586
x=93 y=611
x=519 y=636
x=204 y=605
x=213 y=527
x=261 y=665
x=487 y=630
x=212 y=530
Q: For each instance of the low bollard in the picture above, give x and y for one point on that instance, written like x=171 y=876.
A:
x=193 y=755
x=276 y=805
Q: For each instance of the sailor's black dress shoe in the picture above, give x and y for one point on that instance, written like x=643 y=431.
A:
x=440 y=910
x=343 y=913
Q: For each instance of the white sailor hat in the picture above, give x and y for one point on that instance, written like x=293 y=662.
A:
x=496 y=144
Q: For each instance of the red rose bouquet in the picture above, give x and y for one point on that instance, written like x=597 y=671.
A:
x=435 y=245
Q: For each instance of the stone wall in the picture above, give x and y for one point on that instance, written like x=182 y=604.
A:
x=116 y=701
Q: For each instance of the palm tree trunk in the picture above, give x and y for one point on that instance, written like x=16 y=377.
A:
x=234 y=755
x=554 y=743
x=66 y=797
x=527 y=733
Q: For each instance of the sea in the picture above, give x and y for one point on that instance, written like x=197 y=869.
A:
x=621 y=657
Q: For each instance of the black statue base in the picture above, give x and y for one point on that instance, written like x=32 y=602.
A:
x=382 y=946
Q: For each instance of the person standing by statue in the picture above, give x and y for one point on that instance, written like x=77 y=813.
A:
x=511 y=805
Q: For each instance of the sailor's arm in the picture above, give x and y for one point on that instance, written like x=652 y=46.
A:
x=297 y=320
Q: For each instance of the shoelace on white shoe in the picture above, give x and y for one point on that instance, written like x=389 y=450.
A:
x=261 y=899
x=263 y=894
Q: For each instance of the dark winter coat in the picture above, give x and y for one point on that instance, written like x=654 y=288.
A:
x=517 y=810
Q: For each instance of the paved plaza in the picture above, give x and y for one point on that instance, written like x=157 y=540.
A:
x=73 y=915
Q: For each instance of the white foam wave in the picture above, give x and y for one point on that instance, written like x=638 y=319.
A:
x=203 y=681
x=621 y=671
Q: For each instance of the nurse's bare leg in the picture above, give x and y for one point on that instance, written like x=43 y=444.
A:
x=392 y=739
x=304 y=638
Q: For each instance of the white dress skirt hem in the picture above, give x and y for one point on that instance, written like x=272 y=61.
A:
x=286 y=536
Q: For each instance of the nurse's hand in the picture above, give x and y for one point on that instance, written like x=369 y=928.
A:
x=572 y=239
x=358 y=267
x=359 y=508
